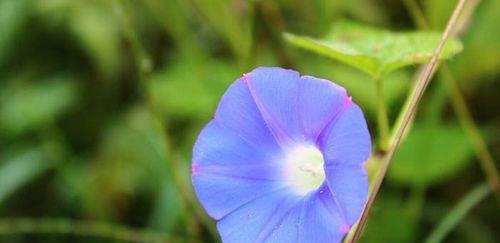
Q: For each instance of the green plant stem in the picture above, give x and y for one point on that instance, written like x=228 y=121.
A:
x=458 y=103
x=382 y=121
x=406 y=105
x=419 y=91
x=416 y=14
x=416 y=202
x=458 y=213
x=12 y=226
x=465 y=118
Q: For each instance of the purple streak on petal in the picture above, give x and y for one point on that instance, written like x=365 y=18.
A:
x=320 y=100
x=279 y=217
x=275 y=91
x=217 y=145
x=349 y=187
x=314 y=219
x=194 y=169
x=345 y=228
x=346 y=140
x=238 y=112
x=320 y=221
x=346 y=145
x=231 y=172
x=287 y=230
x=254 y=219
x=221 y=195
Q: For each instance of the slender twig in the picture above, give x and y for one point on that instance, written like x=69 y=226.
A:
x=458 y=103
x=406 y=104
x=416 y=14
x=422 y=83
x=88 y=228
x=465 y=118
x=382 y=121
x=458 y=213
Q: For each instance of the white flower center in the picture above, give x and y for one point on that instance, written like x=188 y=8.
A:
x=305 y=169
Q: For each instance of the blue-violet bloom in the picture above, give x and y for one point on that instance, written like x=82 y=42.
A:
x=283 y=160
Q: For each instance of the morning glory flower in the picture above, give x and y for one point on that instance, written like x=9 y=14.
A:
x=283 y=160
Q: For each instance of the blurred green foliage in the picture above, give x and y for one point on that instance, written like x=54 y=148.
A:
x=101 y=101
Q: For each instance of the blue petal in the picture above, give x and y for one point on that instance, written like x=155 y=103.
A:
x=221 y=195
x=321 y=220
x=238 y=112
x=346 y=140
x=295 y=109
x=320 y=100
x=314 y=219
x=280 y=217
x=346 y=146
x=229 y=172
x=349 y=187
x=255 y=221
x=275 y=91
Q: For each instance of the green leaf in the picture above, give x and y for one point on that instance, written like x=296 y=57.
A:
x=99 y=35
x=19 y=167
x=376 y=51
x=390 y=222
x=431 y=154
x=135 y=149
x=29 y=105
x=231 y=22
x=13 y=14
x=191 y=89
x=92 y=26
x=167 y=210
x=479 y=61
x=457 y=213
x=131 y=161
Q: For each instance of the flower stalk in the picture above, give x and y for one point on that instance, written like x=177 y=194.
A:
x=419 y=91
x=382 y=121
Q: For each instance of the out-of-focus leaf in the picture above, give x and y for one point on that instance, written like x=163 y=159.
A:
x=131 y=159
x=472 y=229
x=480 y=61
x=174 y=16
x=231 y=20
x=431 y=154
x=458 y=212
x=20 y=166
x=167 y=209
x=438 y=12
x=13 y=14
x=376 y=51
x=28 y=105
x=91 y=25
x=389 y=222
x=99 y=35
x=134 y=149
x=191 y=89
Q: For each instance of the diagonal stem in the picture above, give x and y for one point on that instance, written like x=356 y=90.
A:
x=382 y=121
x=465 y=118
x=458 y=212
x=419 y=91
x=458 y=102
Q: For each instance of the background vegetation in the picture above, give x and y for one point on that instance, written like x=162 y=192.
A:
x=101 y=101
